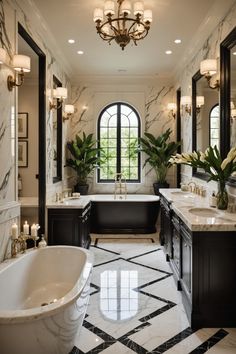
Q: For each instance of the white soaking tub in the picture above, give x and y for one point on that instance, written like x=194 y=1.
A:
x=43 y=300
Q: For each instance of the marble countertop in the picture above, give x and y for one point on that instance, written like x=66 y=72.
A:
x=70 y=203
x=182 y=203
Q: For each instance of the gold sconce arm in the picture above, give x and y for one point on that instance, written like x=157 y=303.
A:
x=12 y=82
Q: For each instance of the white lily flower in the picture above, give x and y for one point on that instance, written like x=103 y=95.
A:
x=195 y=155
x=225 y=163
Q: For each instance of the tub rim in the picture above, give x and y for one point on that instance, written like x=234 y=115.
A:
x=139 y=198
x=36 y=313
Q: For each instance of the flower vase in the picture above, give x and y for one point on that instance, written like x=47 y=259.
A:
x=222 y=197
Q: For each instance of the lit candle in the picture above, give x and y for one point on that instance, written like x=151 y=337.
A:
x=14 y=231
x=34 y=230
x=26 y=228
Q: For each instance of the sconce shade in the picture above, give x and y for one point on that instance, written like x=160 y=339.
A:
x=171 y=106
x=21 y=63
x=69 y=108
x=233 y=113
x=3 y=56
x=61 y=92
x=126 y=7
x=109 y=8
x=200 y=101
x=98 y=15
x=208 y=66
x=147 y=16
x=138 y=8
x=186 y=100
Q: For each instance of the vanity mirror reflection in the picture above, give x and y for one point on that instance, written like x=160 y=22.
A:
x=57 y=136
x=206 y=117
x=228 y=94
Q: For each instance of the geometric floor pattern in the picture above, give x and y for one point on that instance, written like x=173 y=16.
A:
x=135 y=307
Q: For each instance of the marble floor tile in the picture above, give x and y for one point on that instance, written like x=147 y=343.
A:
x=135 y=307
x=87 y=340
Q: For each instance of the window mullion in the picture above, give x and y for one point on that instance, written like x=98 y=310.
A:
x=118 y=148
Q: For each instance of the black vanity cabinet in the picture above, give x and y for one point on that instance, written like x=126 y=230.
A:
x=69 y=226
x=166 y=228
x=204 y=267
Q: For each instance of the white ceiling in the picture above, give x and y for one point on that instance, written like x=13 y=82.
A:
x=184 y=19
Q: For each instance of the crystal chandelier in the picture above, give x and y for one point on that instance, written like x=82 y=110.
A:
x=122 y=27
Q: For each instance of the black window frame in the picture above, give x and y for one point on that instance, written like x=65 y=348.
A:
x=118 y=138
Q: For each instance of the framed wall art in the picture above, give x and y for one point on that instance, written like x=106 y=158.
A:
x=22 y=125
x=23 y=153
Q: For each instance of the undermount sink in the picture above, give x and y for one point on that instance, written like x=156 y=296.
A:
x=205 y=212
x=182 y=194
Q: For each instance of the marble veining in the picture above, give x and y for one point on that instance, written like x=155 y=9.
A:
x=182 y=205
x=164 y=330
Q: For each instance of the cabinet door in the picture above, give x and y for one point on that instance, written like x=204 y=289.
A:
x=62 y=228
x=186 y=260
x=166 y=231
x=176 y=239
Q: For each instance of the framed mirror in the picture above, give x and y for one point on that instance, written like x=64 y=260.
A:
x=228 y=94
x=205 y=116
x=57 y=137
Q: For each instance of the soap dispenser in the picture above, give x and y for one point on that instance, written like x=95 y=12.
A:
x=42 y=242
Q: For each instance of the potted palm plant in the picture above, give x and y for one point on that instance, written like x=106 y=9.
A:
x=84 y=159
x=159 y=151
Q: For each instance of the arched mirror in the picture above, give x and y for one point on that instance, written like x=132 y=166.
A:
x=206 y=117
x=228 y=94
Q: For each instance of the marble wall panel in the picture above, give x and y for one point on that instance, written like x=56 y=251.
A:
x=150 y=102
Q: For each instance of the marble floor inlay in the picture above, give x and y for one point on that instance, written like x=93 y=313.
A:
x=135 y=307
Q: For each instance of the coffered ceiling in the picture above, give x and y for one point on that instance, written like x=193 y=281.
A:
x=189 y=20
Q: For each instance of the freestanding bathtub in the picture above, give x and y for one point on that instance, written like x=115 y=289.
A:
x=135 y=213
x=43 y=299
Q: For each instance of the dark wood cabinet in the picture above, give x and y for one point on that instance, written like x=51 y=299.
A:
x=204 y=267
x=69 y=226
x=166 y=229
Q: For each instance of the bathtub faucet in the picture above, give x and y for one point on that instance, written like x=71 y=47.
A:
x=120 y=186
x=19 y=245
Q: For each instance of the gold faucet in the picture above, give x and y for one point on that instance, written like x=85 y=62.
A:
x=120 y=186
x=19 y=245
x=192 y=189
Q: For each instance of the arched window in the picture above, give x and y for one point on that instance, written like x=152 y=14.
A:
x=118 y=133
x=215 y=126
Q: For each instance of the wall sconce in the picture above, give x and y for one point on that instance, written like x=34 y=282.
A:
x=186 y=102
x=233 y=113
x=68 y=111
x=172 y=109
x=208 y=68
x=3 y=56
x=59 y=95
x=200 y=102
x=21 y=64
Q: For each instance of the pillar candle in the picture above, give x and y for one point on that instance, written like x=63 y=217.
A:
x=14 y=231
x=33 y=230
x=26 y=228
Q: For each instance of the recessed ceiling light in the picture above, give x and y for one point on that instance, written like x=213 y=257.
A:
x=71 y=41
x=168 y=52
x=80 y=52
x=177 y=41
x=234 y=53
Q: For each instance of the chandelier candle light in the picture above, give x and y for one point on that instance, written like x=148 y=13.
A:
x=122 y=27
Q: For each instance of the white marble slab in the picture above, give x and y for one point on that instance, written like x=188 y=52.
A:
x=78 y=203
x=222 y=221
